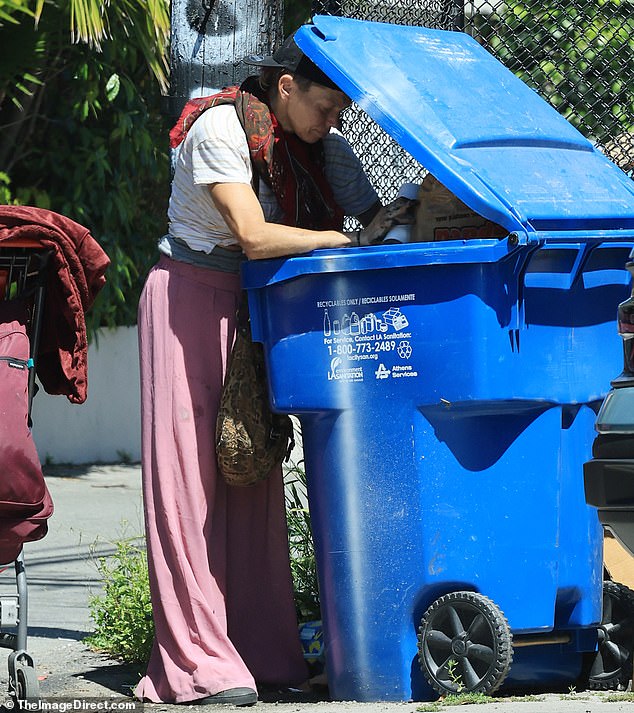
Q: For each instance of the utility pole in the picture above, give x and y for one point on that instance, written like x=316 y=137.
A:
x=209 y=38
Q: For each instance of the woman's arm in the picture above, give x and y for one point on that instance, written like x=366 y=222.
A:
x=259 y=239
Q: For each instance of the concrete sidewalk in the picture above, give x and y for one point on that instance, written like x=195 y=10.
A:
x=94 y=507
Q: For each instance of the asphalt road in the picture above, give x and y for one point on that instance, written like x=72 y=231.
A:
x=94 y=507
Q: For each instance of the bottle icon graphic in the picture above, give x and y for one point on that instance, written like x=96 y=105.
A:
x=326 y=324
x=355 y=326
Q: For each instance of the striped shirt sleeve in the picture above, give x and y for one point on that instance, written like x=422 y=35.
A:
x=350 y=185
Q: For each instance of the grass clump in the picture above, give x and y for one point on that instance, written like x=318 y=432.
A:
x=455 y=699
x=621 y=697
x=466 y=699
x=124 y=627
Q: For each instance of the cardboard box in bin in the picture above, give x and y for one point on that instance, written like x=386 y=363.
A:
x=442 y=216
x=618 y=561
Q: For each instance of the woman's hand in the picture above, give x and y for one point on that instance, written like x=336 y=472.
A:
x=401 y=211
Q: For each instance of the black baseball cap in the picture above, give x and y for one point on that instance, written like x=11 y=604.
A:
x=290 y=57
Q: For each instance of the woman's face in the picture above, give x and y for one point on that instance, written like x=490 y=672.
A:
x=309 y=113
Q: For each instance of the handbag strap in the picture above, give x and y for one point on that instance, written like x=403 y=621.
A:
x=242 y=313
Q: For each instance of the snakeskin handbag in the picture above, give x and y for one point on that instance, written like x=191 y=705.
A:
x=251 y=440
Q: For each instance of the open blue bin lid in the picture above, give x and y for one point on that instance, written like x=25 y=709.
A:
x=488 y=137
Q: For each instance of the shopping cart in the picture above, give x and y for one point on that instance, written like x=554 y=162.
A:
x=25 y=504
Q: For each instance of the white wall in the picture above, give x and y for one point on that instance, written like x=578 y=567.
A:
x=107 y=427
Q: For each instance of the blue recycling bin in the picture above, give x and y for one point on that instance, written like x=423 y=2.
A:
x=447 y=391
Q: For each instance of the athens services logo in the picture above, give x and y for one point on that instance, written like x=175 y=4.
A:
x=382 y=372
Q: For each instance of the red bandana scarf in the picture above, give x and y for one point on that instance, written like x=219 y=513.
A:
x=292 y=168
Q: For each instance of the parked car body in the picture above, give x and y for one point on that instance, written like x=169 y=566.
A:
x=609 y=476
x=609 y=486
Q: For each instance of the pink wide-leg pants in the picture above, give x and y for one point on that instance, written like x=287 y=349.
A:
x=218 y=555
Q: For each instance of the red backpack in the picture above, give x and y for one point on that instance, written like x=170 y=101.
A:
x=25 y=503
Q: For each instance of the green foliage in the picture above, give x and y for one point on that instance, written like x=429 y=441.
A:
x=296 y=13
x=576 y=54
x=458 y=699
x=303 y=567
x=124 y=628
x=627 y=697
x=455 y=676
x=5 y=189
x=9 y=9
x=82 y=134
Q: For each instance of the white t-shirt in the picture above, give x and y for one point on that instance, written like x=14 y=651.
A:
x=215 y=150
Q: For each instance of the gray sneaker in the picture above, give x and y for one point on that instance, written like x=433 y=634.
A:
x=232 y=697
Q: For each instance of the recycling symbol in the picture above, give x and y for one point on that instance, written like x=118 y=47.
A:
x=404 y=350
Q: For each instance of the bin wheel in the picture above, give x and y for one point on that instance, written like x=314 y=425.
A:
x=464 y=644
x=612 y=664
x=27 y=686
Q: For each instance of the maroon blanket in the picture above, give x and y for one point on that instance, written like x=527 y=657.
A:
x=76 y=277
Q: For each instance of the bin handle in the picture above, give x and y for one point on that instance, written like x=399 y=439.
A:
x=600 y=278
x=609 y=275
x=547 y=278
x=576 y=264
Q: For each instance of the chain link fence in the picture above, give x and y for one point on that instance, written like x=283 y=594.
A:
x=577 y=54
